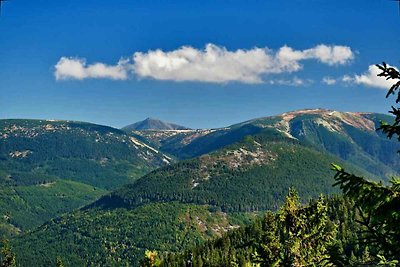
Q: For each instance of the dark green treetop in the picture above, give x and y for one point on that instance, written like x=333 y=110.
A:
x=378 y=204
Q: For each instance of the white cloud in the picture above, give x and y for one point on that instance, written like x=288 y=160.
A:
x=76 y=68
x=291 y=82
x=347 y=79
x=219 y=65
x=331 y=55
x=213 y=64
x=329 y=81
x=369 y=78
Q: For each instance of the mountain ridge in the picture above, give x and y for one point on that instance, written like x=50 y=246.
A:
x=349 y=135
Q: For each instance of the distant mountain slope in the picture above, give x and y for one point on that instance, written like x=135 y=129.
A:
x=348 y=135
x=352 y=136
x=153 y=124
x=193 y=143
x=37 y=155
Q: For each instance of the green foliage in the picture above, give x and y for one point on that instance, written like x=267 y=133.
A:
x=296 y=235
x=232 y=179
x=378 y=204
x=26 y=207
x=379 y=208
x=59 y=262
x=120 y=236
x=7 y=256
x=150 y=259
x=391 y=73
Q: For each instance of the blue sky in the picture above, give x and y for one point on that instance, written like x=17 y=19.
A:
x=201 y=64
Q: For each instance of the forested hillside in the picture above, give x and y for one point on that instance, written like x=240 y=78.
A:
x=119 y=237
x=93 y=154
x=51 y=167
x=250 y=175
x=321 y=233
x=25 y=207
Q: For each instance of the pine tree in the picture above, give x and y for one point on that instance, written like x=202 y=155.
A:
x=151 y=259
x=296 y=235
x=8 y=257
x=378 y=204
x=59 y=262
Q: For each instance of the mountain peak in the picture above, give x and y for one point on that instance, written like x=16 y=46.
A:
x=154 y=124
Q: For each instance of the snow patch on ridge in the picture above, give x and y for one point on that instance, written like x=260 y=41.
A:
x=329 y=126
x=137 y=142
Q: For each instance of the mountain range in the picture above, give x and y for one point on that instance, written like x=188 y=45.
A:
x=51 y=167
x=194 y=184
